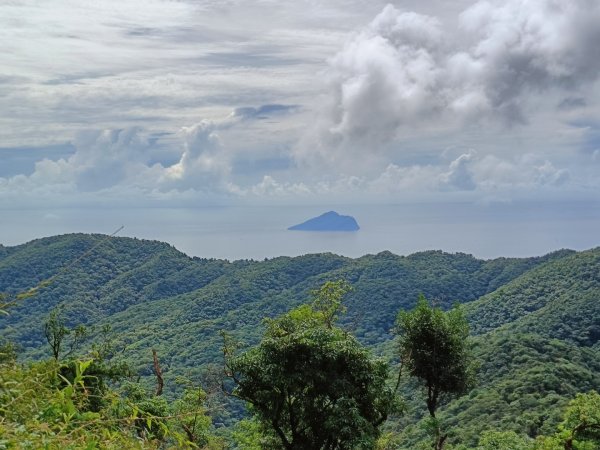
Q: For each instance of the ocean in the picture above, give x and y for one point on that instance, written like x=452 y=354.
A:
x=257 y=232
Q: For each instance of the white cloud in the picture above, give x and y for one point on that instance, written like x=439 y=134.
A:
x=527 y=171
x=270 y=187
x=363 y=115
x=203 y=164
x=113 y=162
x=470 y=172
x=71 y=65
x=396 y=179
x=404 y=73
x=121 y=158
x=527 y=46
x=459 y=176
x=102 y=159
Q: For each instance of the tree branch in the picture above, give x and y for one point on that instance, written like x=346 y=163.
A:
x=159 y=378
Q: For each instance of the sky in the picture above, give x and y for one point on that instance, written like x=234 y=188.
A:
x=150 y=103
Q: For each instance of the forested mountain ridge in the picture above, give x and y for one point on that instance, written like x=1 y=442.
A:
x=541 y=295
x=117 y=274
x=536 y=319
x=537 y=343
x=124 y=279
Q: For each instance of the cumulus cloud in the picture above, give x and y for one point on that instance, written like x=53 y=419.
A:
x=527 y=171
x=405 y=71
x=101 y=159
x=122 y=158
x=531 y=45
x=268 y=186
x=119 y=159
x=203 y=164
x=471 y=172
x=398 y=91
x=459 y=175
x=396 y=179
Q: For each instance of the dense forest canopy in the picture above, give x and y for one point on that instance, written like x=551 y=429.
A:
x=535 y=324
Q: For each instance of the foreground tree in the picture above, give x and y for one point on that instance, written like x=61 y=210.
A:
x=581 y=426
x=310 y=384
x=435 y=348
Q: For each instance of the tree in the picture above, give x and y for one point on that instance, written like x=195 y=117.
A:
x=191 y=414
x=100 y=369
x=503 y=440
x=56 y=332
x=435 y=348
x=582 y=422
x=328 y=300
x=310 y=384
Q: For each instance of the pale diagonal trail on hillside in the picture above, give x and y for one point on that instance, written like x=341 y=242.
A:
x=32 y=291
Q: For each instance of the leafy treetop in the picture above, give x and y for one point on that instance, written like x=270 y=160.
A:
x=311 y=384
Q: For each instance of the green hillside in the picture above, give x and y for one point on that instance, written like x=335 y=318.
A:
x=537 y=343
x=153 y=295
x=536 y=321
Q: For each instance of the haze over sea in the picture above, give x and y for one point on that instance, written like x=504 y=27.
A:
x=257 y=232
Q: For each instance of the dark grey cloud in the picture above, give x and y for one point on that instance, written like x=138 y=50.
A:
x=264 y=111
x=144 y=31
x=175 y=35
x=78 y=78
x=570 y=103
x=13 y=79
x=248 y=59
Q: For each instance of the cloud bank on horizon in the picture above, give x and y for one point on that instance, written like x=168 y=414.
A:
x=205 y=101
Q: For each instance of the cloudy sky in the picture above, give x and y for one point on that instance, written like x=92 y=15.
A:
x=154 y=102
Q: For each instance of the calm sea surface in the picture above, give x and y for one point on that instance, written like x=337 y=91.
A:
x=260 y=232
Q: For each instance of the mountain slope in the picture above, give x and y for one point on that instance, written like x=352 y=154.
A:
x=156 y=297
x=117 y=274
x=537 y=343
x=558 y=300
x=536 y=320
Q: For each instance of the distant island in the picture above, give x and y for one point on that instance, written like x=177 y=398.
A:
x=330 y=221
